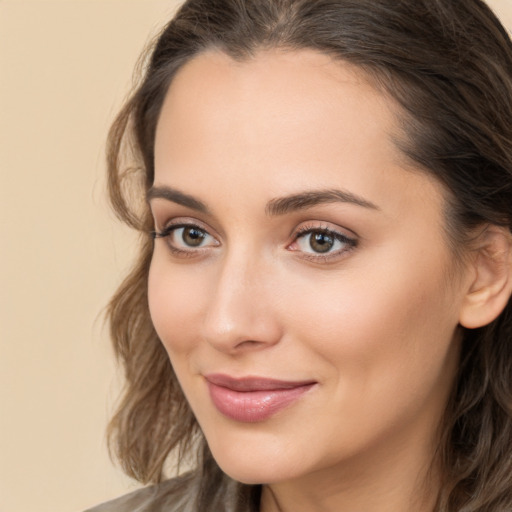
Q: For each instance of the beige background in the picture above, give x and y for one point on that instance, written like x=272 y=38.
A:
x=65 y=66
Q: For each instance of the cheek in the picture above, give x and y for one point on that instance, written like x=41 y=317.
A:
x=382 y=331
x=174 y=298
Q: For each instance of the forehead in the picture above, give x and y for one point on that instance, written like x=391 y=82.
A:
x=291 y=84
x=274 y=100
x=278 y=121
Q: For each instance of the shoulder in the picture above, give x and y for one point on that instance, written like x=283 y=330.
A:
x=169 y=496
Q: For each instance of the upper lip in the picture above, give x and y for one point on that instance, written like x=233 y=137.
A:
x=254 y=383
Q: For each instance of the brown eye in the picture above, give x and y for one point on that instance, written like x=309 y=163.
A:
x=192 y=236
x=186 y=238
x=321 y=241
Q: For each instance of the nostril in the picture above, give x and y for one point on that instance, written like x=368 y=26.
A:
x=249 y=344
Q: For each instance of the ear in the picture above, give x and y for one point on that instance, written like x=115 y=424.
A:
x=490 y=274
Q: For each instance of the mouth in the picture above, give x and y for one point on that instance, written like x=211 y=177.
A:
x=253 y=399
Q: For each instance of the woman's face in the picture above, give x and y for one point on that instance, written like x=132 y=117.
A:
x=301 y=280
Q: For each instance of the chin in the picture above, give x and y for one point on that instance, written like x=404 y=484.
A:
x=252 y=474
x=257 y=464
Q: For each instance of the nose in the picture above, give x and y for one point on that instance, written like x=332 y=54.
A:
x=241 y=314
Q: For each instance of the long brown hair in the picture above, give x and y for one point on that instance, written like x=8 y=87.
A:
x=448 y=64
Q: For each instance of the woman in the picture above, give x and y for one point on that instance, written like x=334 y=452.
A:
x=320 y=309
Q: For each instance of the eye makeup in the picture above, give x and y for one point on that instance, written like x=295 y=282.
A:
x=314 y=242
x=321 y=244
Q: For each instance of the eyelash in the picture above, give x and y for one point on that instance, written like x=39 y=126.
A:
x=170 y=229
x=302 y=232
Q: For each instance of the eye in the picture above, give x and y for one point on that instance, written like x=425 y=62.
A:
x=318 y=241
x=190 y=236
x=185 y=238
x=321 y=243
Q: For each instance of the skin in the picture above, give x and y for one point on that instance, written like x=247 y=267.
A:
x=375 y=325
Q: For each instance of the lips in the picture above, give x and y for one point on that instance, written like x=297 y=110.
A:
x=253 y=399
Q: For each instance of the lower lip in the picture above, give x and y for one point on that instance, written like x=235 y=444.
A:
x=253 y=406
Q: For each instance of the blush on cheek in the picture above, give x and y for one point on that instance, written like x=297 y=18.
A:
x=166 y=306
x=177 y=297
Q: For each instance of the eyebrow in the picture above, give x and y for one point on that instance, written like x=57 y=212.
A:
x=307 y=199
x=275 y=207
x=171 y=194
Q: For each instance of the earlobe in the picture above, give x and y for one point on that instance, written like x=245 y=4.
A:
x=491 y=283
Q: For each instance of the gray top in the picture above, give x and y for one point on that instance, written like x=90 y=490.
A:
x=167 y=496
x=175 y=495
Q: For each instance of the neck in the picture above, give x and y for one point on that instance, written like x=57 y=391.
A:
x=397 y=478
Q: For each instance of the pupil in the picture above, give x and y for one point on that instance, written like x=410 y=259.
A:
x=321 y=242
x=193 y=237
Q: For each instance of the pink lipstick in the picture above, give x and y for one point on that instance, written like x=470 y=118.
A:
x=253 y=399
